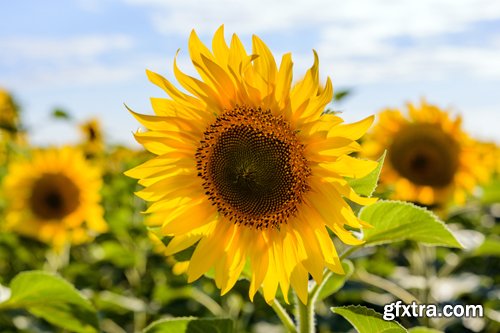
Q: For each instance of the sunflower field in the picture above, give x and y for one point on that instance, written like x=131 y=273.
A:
x=251 y=206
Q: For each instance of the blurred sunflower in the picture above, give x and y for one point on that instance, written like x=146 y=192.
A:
x=54 y=197
x=10 y=126
x=93 y=142
x=9 y=115
x=430 y=159
x=250 y=168
x=489 y=156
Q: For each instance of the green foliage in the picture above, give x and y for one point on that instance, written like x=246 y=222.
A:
x=50 y=297
x=59 y=113
x=421 y=329
x=341 y=94
x=117 y=254
x=395 y=221
x=491 y=192
x=190 y=325
x=366 y=185
x=366 y=320
x=8 y=127
x=335 y=282
x=490 y=247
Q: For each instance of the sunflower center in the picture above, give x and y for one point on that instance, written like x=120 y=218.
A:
x=425 y=155
x=54 y=196
x=253 y=167
x=92 y=134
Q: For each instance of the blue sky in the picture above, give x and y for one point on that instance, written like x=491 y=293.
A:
x=89 y=56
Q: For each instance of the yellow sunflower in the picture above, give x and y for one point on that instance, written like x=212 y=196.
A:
x=250 y=169
x=10 y=126
x=93 y=142
x=54 y=197
x=430 y=159
x=9 y=115
x=490 y=157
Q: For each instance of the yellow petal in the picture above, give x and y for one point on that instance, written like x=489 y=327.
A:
x=299 y=281
x=351 y=167
x=186 y=220
x=220 y=48
x=173 y=92
x=352 y=131
x=209 y=249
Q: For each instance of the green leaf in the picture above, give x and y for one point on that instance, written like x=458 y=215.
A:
x=490 y=247
x=366 y=320
x=50 y=297
x=341 y=94
x=395 y=221
x=190 y=325
x=60 y=114
x=366 y=185
x=421 y=329
x=336 y=282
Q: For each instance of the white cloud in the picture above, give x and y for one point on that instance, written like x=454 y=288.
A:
x=416 y=64
x=56 y=49
x=356 y=38
x=417 y=18
x=56 y=62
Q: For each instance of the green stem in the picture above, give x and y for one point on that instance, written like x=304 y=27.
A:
x=57 y=259
x=308 y=313
x=207 y=302
x=349 y=251
x=428 y=257
x=316 y=289
x=387 y=285
x=305 y=316
x=450 y=265
x=283 y=316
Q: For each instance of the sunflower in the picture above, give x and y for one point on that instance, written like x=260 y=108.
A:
x=430 y=159
x=490 y=157
x=54 y=197
x=250 y=169
x=10 y=126
x=93 y=142
x=9 y=114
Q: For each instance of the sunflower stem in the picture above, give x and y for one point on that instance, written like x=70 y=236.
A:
x=207 y=302
x=306 y=313
x=57 y=259
x=327 y=274
x=305 y=316
x=362 y=275
x=284 y=316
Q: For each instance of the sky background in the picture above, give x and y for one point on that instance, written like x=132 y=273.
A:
x=89 y=56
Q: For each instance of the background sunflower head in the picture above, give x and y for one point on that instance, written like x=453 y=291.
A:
x=93 y=139
x=11 y=132
x=54 y=197
x=430 y=159
x=250 y=169
x=9 y=113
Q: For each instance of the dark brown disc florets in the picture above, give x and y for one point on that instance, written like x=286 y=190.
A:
x=253 y=167
x=54 y=196
x=425 y=155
